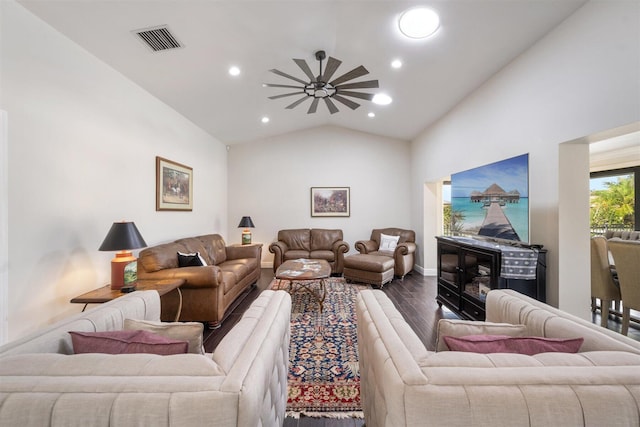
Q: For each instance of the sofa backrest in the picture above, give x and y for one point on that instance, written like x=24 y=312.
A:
x=296 y=239
x=211 y=246
x=509 y=306
x=323 y=239
x=142 y=305
x=161 y=257
x=624 y=235
x=405 y=235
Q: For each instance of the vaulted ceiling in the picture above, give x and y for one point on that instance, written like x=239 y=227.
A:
x=476 y=39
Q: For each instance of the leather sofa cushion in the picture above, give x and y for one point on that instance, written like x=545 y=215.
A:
x=366 y=262
x=160 y=257
x=210 y=246
x=240 y=268
x=325 y=255
x=193 y=245
x=296 y=240
x=322 y=239
x=217 y=247
x=296 y=255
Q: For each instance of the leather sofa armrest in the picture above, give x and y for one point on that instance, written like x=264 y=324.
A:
x=366 y=246
x=403 y=258
x=278 y=249
x=340 y=246
x=406 y=248
x=240 y=252
x=209 y=276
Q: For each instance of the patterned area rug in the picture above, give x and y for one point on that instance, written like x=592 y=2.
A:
x=323 y=355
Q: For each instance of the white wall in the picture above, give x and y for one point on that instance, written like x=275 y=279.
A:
x=270 y=181
x=82 y=142
x=580 y=79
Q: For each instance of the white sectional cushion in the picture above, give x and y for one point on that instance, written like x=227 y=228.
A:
x=460 y=328
x=183 y=331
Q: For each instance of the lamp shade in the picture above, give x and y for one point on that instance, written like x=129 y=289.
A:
x=122 y=236
x=246 y=222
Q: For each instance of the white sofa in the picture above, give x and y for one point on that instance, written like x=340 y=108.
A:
x=243 y=383
x=403 y=384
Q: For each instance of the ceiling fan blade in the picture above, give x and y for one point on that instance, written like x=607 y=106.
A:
x=330 y=105
x=369 y=84
x=330 y=69
x=280 y=73
x=367 y=96
x=285 y=94
x=288 y=86
x=298 y=102
x=314 y=106
x=349 y=103
x=355 y=73
x=305 y=68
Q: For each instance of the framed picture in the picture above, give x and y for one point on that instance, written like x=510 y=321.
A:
x=330 y=201
x=174 y=186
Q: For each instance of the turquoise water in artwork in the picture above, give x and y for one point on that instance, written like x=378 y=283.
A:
x=474 y=213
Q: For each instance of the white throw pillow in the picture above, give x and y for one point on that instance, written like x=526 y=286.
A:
x=460 y=328
x=183 y=331
x=388 y=243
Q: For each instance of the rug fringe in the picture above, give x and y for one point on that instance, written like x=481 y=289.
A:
x=335 y=415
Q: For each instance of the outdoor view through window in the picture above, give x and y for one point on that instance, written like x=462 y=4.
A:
x=612 y=201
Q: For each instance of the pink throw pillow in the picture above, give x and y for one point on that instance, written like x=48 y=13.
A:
x=504 y=344
x=126 y=342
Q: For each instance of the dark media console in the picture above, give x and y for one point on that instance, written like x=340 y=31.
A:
x=468 y=268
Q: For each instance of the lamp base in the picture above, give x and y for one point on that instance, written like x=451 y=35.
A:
x=118 y=264
x=246 y=237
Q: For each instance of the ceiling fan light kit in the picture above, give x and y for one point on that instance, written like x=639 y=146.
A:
x=323 y=87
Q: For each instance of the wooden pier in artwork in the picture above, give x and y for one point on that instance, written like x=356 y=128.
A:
x=496 y=224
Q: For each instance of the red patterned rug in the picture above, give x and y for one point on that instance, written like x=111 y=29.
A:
x=323 y=355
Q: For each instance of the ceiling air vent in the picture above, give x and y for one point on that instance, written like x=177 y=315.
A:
x=158 y=38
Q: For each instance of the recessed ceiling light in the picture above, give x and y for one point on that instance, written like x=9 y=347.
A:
x=372 y=115
x=234 y=71
x=396 y=63
x=265 y=119
x=419 y=22
x=381 y=99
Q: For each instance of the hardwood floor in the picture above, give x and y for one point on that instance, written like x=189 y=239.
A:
x=415 y=299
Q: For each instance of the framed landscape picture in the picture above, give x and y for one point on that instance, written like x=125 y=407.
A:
x=174 y=186
x=330 y=201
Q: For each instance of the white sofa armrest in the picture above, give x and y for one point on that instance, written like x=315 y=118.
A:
x=255 y=357
x=389 y=354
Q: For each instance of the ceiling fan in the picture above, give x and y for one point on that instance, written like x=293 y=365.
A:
x=323 y=87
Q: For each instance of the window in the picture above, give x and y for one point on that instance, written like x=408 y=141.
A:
x=613 y=200
x=446 y=209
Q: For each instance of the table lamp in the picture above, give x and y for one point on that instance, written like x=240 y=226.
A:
x=246 y=233
x=122 y=237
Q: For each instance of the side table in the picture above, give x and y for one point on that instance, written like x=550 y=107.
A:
x=105 y=293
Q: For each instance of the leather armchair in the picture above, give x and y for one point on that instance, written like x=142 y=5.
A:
x=315 y=243
x=404 y=254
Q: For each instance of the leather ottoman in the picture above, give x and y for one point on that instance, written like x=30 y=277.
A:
x=372 y=269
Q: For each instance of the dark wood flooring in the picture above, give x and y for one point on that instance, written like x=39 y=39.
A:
x=415 y=299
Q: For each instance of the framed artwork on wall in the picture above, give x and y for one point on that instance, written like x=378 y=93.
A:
x=174 y=186
x=330 y=201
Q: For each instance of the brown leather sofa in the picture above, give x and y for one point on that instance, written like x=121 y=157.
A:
x=314 y=243
x=208 y=290
x=404 y=254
